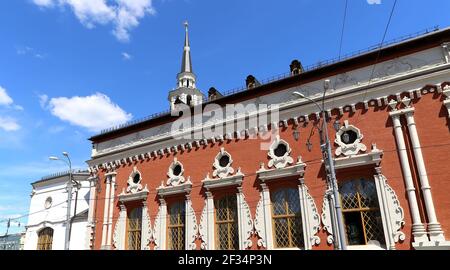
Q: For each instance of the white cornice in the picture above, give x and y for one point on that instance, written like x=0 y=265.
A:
x=299 y=110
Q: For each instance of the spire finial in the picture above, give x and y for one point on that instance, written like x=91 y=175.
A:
x=186 y=65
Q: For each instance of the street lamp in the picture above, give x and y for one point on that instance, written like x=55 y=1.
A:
x=326 y=152
x=69 y=199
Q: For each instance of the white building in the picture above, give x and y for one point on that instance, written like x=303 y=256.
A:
x=48 y=211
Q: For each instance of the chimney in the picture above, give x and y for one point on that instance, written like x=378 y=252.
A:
x=251 y=82
x=296 y=67
x=213 y=94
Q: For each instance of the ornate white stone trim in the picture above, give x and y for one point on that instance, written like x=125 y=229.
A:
x=206 y=228
x=374 y=157
x=245 y=222
x=134 y=186
x=279 y=161
x=186 y=188
x=159 y=228
x=146 y=234
x=349 y=148
x=446 y=93
x=128 y=197
x=328 y=214
x=191 y=225
x=273 y=174
x=120 y=229
x=175 y=180
x=262 y=222
x=392 y=212
x=310 y=217
x=220 y=171
x=234 y=180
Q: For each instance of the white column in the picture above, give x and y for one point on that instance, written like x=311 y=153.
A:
x=106 y=212
x=187 y=222
x=241 y=232
x=211 y=225
x=418 y=228
x=111 y=208
x=304 y=213
x=91 y=223
x=145 y=225
x=267 y=216
x=434 y=227
x=162 y=224
x=384 y=209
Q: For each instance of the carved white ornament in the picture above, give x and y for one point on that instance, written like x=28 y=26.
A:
x=203 y=227
x=260 y=228
x=245 y=222
x=146 y=229
x=175 y=180
x=282 y=161
x=349 y=149
x=132 y=186
x=119 y=230
x=328 y=223
x=159 y=227
x=391 y=204
x=192 y=227
x=220 y=171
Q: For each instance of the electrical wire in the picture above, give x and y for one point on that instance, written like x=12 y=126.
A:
x=378 y=57
x=307 y=162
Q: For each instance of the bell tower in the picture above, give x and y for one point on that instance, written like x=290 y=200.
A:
x=186 y=91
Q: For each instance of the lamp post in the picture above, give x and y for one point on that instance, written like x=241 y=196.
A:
x=327 y=153
x=69 y=199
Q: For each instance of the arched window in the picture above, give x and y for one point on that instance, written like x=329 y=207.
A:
x=287 y=220
x=361 y=212
x=134 y=229
x=45 y=239
x=227 y=233
x=176 y=226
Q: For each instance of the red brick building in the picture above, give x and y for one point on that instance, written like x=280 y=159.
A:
x=388 y=117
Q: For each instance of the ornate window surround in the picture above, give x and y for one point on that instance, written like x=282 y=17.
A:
x=224 y=178
x=263 y=218
x=133 y=193
x=175 y=185
x=392 y=213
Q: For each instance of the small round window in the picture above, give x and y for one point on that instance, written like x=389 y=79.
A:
x=48 y=202
x=349 y=137
x=136 y=178
x=224 y=161
x=177 y=170
x=281 y=150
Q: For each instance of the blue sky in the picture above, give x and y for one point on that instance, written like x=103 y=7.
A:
x=70 y=68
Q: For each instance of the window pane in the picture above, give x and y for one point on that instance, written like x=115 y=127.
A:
x=354 y=229
x=176 y=226
x=362 y=215
x=288 y=230
x=134 y=228
x=227 y=236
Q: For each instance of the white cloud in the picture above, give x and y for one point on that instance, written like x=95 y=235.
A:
x=29 y=51
x=372 y=2
x=126 y=56
x=9 y=124
x=95 y=112
x=124 y=15
x=5 y=99
x=43 y=99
